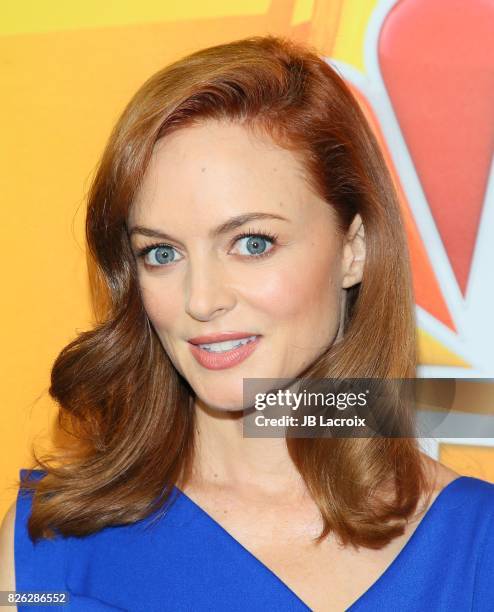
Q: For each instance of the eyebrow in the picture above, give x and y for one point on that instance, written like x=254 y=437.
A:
x=224 y=228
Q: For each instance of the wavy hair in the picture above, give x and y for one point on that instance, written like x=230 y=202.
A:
x=126 y=412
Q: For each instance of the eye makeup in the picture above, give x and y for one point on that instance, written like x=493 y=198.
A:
x=265 y=235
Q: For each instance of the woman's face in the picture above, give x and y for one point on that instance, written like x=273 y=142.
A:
x=282 y=282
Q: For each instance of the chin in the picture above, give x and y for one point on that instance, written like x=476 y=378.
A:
x=218 y=395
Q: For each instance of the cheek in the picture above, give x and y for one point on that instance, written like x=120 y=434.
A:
x=163 y=311
x=291 y=291
x=161 y=307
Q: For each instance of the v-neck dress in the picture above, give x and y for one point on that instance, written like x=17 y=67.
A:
x=184 y=561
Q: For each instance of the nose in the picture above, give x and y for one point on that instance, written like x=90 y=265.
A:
x=207 y=291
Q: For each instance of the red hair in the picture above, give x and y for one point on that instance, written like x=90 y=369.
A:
x=126 y=408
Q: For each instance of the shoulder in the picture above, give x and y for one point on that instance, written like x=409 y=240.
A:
x=463 y=498
x=25 y=494
x=7 y=570
x=438 y=473
x=469 y=507
x=8 y=531
x=31 y=474
x=467 y=500
x=443 y=476
x=484 y=568
x=38 y=564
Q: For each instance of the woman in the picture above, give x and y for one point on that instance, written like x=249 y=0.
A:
x=243 y=225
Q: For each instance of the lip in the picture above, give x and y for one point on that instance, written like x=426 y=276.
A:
x=226 y=359
x=220 y=337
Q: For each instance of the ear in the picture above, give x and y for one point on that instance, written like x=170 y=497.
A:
x=353 y=253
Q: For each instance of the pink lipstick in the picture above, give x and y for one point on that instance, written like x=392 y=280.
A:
x=223 y=350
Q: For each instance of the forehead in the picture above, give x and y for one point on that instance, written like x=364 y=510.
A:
x=214 y=170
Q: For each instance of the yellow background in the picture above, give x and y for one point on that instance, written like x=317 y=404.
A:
x=68 y=69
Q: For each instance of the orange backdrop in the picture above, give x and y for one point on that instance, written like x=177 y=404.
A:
x=68 y=71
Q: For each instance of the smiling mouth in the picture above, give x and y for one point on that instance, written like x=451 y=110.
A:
x=226 y=354
x=226 y=345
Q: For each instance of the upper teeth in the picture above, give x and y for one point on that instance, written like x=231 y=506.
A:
x=218 y=347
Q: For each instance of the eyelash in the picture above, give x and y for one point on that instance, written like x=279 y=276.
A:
x=141 y=253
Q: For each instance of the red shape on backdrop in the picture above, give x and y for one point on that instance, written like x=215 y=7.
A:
x=437 y=62
x=426 y=289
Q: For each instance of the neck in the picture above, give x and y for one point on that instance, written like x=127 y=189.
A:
x=225 y=458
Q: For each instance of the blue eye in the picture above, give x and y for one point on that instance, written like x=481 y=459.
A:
x=256 y=244
x=163 y=254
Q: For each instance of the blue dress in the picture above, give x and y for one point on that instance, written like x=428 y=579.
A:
x=187 y=562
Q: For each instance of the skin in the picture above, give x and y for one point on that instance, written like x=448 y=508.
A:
x=198 y=178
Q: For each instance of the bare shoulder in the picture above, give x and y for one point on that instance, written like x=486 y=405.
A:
x=7 y=568
x=439 y=473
